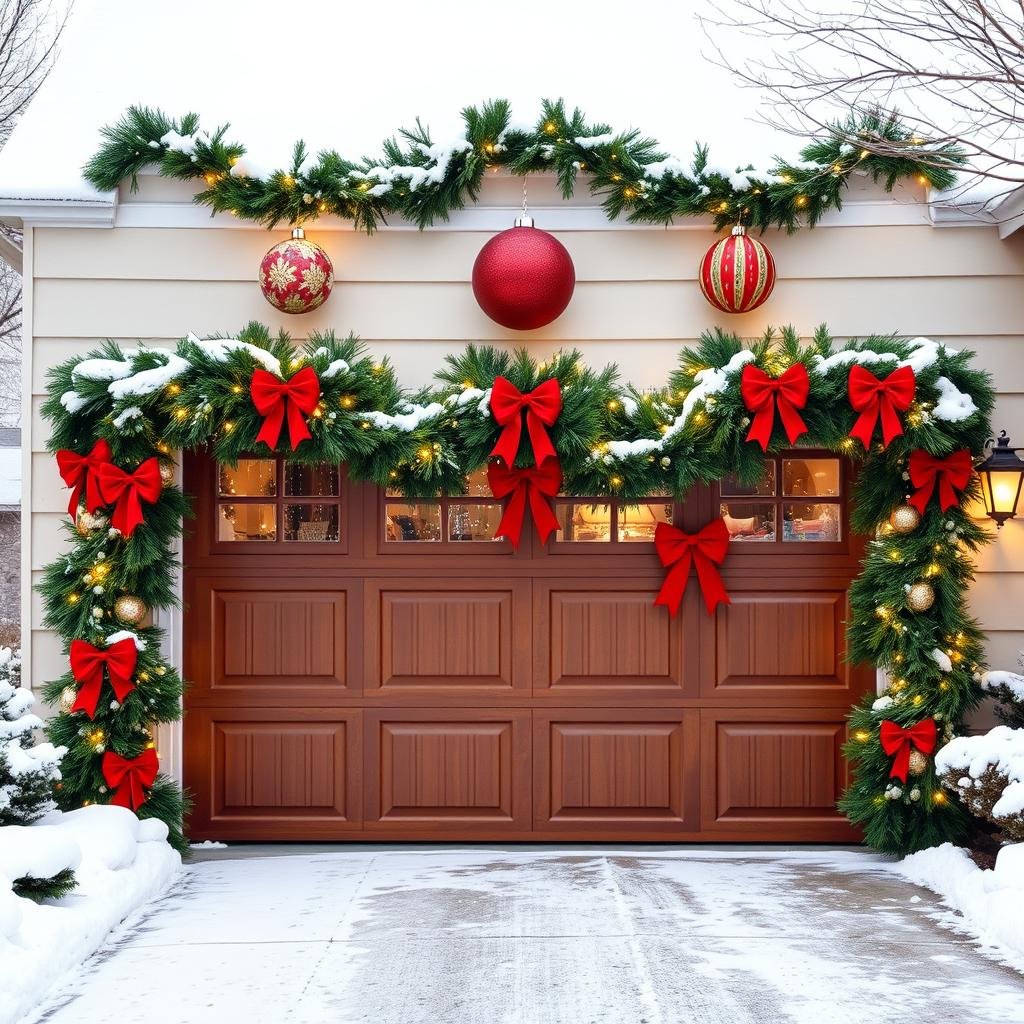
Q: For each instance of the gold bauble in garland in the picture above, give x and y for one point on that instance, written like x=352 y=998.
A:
x=67 y=698
x=905 y=519
x=86 y=522
x=918 y=763
x=167 y=473
x=920 y=597
x=129 y=608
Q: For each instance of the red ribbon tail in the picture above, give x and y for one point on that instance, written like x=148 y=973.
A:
x=545 y=521
x=865 y=425
x=791 y=419
x=891 y=426
x=127 y=512
x=947 y=495
x=711 y=586
x=298 y=429
x=901 y=762
x=507 y=446
x=511 y=525
x=76 y=497
x=270 y=432
x=674 y=586
x=761 y=428
x=920 y=498
x=88 y=698
x=539 y=439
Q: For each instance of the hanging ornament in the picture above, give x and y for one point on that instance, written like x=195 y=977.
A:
x=920 y=597
x=131 y=609
x=296 y=275
x=67 y=698
x=86 y=522
x=904 y=518
x=523 y=278
x=917 y=763
x=737 y=273
x=167 y=473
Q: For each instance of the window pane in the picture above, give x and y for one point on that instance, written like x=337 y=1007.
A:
x=811 y=522
x=252 y=478
x=749 y=521
x=416 y=522
x=311 y=524
x=473 y=522
x=584 y=522
x=813 y=477
x=246 y=522
x=730 y=486
x=316 y=481
x=638 y=522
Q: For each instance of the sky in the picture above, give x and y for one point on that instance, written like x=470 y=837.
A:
x=345 y=75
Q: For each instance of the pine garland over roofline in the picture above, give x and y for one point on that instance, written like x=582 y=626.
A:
x=424 y=180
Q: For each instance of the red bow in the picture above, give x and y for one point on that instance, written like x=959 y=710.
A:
x=126 y=491
x=953 y=473
x=762 y=393
x=79 y=472
x=897 y=741
x=272 y=397
x=131 y=776
x=872 y=398
x=538 y=484
x=87 y=667
x=707 y=549
x=542 y=405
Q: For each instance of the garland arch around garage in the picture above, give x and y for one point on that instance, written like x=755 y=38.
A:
x=365 y=665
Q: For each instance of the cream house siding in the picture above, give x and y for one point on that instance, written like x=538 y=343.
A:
x=877 y=266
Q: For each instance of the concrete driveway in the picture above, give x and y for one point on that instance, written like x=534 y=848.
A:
x=404 y=935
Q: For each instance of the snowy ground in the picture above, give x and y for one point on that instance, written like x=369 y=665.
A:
x=403 y=936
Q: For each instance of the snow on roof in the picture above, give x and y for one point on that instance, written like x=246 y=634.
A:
x=340 y=77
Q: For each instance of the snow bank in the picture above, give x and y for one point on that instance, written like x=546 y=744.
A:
x=120 y=864
x=991 y=902
x=1000 y=749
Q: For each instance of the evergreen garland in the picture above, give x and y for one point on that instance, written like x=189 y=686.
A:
x=612 y=439
x=424 y=182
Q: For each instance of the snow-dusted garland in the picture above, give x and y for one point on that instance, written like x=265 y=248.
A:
x=424 y=180
x=610 y=438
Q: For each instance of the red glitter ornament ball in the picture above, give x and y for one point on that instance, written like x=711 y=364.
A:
x=737 y=273
x=523 y=278
x=296 y=275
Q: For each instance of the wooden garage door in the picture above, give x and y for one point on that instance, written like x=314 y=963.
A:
x=365 y=666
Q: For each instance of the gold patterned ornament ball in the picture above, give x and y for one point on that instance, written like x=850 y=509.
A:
x=296 y=275
x=67 y=698
x=920 y=597
x=86 y=522
x=167 y=473
x=918 y=763
x=905 y=519
x=131 y=609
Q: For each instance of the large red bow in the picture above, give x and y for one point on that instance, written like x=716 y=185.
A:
x=874 y=399
x=897 y=741
x=542 y=405
x=87 y=667
x=130 y=777
x=79 y=473
x=952 y=473
x=273 y=397
x=706 y=549
x=538 y=485
x=126 y=492
x=762 y=393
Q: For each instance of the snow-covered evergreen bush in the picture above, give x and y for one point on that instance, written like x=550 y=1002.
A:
x=28 y=770
x=1008 y=690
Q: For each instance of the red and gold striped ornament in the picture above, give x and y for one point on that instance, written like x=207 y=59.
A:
x=296 y=275
x=737 y=273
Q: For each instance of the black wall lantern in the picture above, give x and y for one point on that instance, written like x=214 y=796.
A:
x=1001 y=476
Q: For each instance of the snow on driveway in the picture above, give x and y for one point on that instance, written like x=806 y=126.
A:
x=481 y=936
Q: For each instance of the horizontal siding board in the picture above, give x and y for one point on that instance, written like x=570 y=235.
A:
x=173 y=254
x=448 y=311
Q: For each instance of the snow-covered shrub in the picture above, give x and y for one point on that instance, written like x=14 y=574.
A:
x=987 y=773
x=28 y=771
x=1008 y=690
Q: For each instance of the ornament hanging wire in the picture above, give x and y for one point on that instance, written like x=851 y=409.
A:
x=524 y=220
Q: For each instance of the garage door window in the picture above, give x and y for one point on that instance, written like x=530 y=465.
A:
x=603 y=521
x=797 y=500
x=269 y=500
x=469 y=518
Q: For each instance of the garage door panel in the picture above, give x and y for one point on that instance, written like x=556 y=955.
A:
x=448 y=769
x=274 y=772
x=780 y=648
x=616 y=769
x=771 y=768
x=609 y=638
x=430 y=637
x=287 y=638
